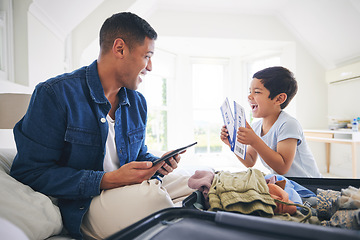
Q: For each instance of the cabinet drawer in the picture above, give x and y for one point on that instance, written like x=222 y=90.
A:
x=319 y=134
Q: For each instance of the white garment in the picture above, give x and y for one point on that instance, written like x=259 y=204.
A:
x=111 y=160
x=285 y=127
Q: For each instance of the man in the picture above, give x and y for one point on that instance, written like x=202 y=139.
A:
x=84 y=133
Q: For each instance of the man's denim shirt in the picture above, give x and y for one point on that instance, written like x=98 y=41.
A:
x=61 y=139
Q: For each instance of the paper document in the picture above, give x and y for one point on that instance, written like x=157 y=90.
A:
x=228 y=120
x=239 y=149
x=232 y=123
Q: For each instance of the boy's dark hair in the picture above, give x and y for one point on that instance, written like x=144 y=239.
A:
x=278 y=80
x=125 y=25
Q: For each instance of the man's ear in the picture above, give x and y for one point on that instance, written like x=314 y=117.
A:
x=119 y=47
x=281 y=98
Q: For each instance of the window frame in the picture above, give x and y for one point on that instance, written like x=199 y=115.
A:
x=6 y=35
x=166 y=73
x=225 y=63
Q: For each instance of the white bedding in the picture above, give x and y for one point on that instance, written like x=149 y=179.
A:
x=30 y=211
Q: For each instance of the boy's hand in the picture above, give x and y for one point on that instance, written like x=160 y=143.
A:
x=246 y=135
x=224 y=135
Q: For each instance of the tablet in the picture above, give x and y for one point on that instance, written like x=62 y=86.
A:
x=173 y=153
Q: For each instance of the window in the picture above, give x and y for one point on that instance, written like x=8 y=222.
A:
x=155 y=89
x=207 y=80
x=6 y=63
x=3 y=40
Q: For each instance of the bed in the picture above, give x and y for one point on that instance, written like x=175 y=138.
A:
x=24 y=213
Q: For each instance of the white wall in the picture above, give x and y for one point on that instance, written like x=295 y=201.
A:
x=46 y=52
x=189 y=24
x=312 y=94
x=88 y=30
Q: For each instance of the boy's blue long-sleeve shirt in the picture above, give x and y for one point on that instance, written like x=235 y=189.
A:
x=61 y=139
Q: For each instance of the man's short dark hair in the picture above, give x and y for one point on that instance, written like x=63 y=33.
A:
x=125 y=25
x=278 y=80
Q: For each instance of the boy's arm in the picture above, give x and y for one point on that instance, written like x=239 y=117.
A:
x=250 y=158
x=280 y=161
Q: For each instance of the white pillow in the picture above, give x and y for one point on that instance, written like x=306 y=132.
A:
x=6 y=158
x=31 y=211
x=10 y=231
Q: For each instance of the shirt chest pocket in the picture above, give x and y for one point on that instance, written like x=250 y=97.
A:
x=136 y=135
x=82 y=137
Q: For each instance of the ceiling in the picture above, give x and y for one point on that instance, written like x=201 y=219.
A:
x=329 y=29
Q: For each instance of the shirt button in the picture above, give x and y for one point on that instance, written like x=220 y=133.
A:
x=103 y=120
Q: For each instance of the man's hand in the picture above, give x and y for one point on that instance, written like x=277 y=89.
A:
x=169 y=165
x=128 y=174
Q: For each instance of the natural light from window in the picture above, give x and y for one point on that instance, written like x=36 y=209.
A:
x=208 y=78
x=208 y=82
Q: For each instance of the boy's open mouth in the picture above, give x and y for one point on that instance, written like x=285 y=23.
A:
x=254 y=106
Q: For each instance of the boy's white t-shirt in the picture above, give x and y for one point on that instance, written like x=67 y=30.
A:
x=111 y=159
x=285 y=127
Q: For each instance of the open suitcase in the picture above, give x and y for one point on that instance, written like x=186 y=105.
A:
x=189 y=222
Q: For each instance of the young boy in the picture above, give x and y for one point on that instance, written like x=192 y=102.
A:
x=278 y=137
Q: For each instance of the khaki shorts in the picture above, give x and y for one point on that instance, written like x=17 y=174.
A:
x=115 y=209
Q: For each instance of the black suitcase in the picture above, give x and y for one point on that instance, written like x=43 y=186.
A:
x=326 y=183
x=189 y=222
